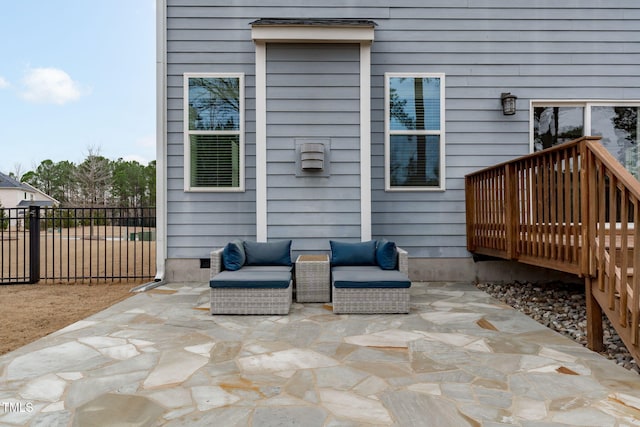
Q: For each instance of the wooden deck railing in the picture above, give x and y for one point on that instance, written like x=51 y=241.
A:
x=571 y=208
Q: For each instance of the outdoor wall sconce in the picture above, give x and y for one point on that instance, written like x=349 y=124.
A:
x=508 y=103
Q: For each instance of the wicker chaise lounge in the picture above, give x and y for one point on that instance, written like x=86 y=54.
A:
x=251 y=278
x=369 y=277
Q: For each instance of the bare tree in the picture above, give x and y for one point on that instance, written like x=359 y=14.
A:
x=17 y=171
x=94 y=176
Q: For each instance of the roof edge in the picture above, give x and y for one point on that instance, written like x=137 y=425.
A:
x=315 y=22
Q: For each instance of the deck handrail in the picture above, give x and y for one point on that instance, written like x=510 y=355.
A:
x=556 y=208
x=510 y=216
x=546 y=151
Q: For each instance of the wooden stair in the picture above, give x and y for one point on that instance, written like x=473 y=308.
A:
x=571 y=208
x=614 y=290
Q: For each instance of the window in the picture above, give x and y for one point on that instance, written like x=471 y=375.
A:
x=556 y=124
x=617 y=123
x=214 y=135
x=414 y=132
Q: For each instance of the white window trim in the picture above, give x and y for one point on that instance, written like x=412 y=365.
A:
x=187 y=132
x=584 y=103
x=306 y=34
x=388 y=132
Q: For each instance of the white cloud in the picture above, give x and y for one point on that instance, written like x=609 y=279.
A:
x=147 y=141
x=50 y=86
x=137 y=158
x=3 y=83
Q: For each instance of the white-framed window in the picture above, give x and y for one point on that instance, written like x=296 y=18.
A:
x=414 y=131
x=555 y=122
x=214 y=132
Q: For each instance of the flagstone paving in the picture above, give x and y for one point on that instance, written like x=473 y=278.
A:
x=459 y=358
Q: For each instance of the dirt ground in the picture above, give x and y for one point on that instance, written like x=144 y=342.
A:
x=29 y=312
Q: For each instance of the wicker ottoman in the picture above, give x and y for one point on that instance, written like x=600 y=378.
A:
x=370 y=301
x=250 y=301
x=313 y=278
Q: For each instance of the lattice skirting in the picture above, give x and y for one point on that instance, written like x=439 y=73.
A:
x=370 y=300
x=251 y=301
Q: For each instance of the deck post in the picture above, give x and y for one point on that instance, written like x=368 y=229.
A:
x=470 y=213
x=591 y=202
x=595 y=340
x=511 y=211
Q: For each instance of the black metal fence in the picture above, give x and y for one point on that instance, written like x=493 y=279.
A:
x=77 y=245
x=14 y=246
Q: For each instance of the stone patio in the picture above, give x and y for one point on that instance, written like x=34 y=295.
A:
x=459 y=358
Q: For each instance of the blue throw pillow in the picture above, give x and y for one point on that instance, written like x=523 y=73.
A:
x=268 y=253
x=386 y=255
x=343 y=253
x=233 y=256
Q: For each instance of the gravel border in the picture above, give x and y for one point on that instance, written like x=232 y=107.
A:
x=561 y=307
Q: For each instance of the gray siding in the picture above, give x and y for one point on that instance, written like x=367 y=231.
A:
x=198 y=222
x=313 y=93
x=536 y=50
x=574 y=49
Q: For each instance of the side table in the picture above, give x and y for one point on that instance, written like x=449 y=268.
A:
x=313 y=278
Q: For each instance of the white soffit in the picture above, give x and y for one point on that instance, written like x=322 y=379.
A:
x=312 y=30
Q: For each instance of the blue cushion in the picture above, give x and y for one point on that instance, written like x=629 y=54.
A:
x=344 y=253
x=271 y=268
x=248 y=279
x=233 y=256
x=386 y=257
x=373 y=277
x=268 y=253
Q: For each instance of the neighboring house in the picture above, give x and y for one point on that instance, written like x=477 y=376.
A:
x=318 y=120
x=16 y=194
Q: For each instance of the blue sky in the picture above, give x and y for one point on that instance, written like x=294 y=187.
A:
x=76 y=75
